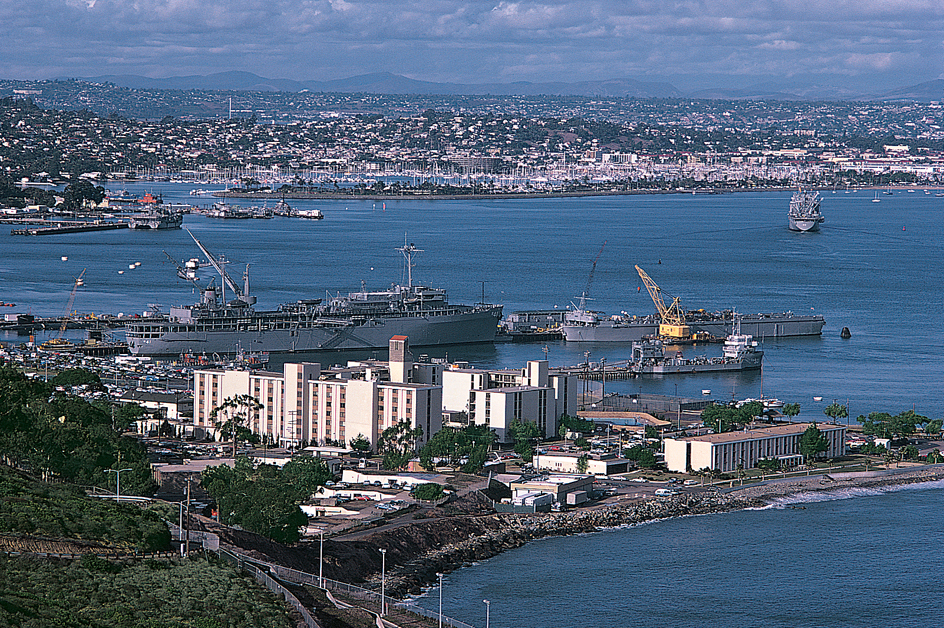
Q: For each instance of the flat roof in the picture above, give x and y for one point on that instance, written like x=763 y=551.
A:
x=762 y=433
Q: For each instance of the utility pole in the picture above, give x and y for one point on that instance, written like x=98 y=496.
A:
x=187 y=521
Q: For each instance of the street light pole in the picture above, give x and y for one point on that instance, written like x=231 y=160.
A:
x=488 y=608
x=383 y=578
x=440 y=599
x=678 y=411
x=117 y=473
x=321 y=560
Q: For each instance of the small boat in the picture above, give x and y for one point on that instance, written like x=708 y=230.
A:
x=312 y=214
x=817 y=398
x=706 y=391
x=876 y=199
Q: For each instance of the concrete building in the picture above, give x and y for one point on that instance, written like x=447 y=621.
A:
x=305 y=405
x=724 y=452
x=567 y=462
x=497 y=397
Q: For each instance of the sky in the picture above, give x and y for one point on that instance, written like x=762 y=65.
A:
x=864 y=44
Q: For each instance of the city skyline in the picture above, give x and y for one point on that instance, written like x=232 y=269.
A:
x=863 y=47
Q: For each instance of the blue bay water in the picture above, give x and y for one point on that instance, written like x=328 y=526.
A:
x=859 y=558
x=875 y=268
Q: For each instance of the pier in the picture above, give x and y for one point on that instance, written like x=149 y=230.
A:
x=71 y=227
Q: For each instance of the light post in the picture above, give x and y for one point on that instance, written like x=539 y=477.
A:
x=678 y=411
x=383 y=577
x=117 y=473
x=321 y=560
x=440 y=599
x=488 y=608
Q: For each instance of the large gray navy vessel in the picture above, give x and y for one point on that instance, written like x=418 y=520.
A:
x=581 y=325
x=358 y=320
x=804 y=214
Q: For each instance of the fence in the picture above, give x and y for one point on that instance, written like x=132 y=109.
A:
x=351 y=591
x=272 y=585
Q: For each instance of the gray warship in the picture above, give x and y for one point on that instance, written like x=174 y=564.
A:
x=804 y=211
x=358 y=320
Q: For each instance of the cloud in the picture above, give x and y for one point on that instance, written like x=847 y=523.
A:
x=472 y=40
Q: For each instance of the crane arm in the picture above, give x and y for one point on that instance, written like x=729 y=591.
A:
x=75 y=289
x=671 y=314
x=218 y=265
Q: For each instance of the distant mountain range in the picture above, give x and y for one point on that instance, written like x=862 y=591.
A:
x=388 y=83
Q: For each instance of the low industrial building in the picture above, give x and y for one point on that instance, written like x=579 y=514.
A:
x=559 y=486
x=569 y=462
x=724 y=452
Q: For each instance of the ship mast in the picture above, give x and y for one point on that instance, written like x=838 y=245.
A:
x=408 y=250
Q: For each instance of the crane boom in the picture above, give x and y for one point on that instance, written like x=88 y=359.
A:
x=75 y=289
x=673 y=318
x=593 y=269
x=242 y=294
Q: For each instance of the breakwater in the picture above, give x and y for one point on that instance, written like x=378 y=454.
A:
x=486 y=536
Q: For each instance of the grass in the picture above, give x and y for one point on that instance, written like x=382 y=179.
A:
x=32 y=507
x=94 y=593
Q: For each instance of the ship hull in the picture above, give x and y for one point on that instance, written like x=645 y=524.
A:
x=799 y=224
x=760 y=327
x=750 y=363
x=423 y=331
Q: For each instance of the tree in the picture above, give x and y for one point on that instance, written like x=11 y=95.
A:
x=719 y=418
x=812 y=442
x=768 y=465
x=836 y=411
x=524 y=433
x=263 y=499
x=397 y=444
x=647 y=459
x=77 y=194
x=360 y=445
x=232 y=416
x=428 y=492
x=791 y=409
x=583 y=463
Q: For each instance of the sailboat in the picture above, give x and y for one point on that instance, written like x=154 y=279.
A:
x=876 y=199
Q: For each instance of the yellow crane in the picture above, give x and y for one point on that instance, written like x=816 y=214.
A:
x=75 y=288
x=673 y=323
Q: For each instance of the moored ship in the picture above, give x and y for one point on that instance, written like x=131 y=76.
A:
x=739 y=353
x=358 y=320
x=805 y=212
x=589 y=326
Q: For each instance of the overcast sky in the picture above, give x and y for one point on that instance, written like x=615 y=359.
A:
x=869 y=44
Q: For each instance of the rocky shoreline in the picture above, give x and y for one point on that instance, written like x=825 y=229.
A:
x=493 y=534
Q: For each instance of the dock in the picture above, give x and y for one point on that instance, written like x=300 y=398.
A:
x=71 y=227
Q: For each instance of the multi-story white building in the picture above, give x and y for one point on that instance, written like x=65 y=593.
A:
x=724 y=452
x=304 y=404
x=497 y=397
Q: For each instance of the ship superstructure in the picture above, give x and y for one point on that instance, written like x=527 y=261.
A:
x=805 y=212
x=357 y=320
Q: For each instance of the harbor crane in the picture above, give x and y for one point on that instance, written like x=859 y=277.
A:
x=65 y=317
x=673 y=317
x=586 y=291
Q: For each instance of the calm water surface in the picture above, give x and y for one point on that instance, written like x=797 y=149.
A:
x=875 y=267
x=874 y=560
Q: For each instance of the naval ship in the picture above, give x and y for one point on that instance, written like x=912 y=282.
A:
x=804 y=211
x=740 y=353
x=582 y=325
x=358 y=320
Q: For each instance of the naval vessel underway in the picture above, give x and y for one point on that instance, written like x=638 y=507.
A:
x=804 y=211
x=358 y=320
